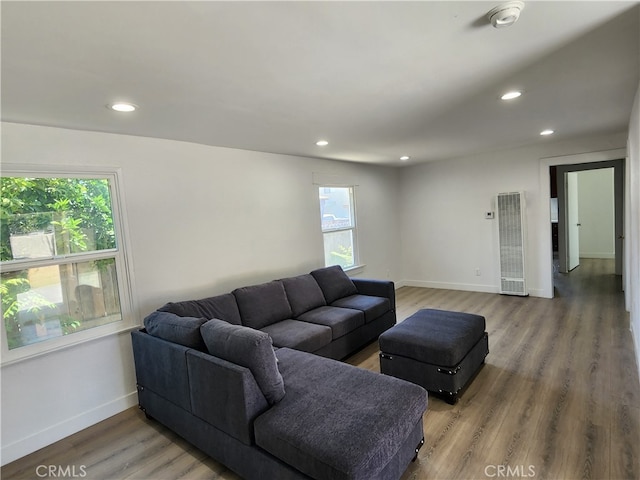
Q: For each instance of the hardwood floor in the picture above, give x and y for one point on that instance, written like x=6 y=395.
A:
x=558 y=398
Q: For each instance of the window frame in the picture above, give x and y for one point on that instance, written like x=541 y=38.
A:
x=120 y=255
x=353 y=228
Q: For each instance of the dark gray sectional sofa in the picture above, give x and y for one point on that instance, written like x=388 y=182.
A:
x=234 y=375
x=324 y=312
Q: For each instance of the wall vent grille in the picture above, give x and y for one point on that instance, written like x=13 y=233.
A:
x=512 y=239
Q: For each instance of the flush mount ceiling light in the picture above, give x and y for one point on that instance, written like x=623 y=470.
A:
x=404 y=158
x=548 y=131
x=322 y=143
x=511 y=95
x=505 y=14
x=123 y=107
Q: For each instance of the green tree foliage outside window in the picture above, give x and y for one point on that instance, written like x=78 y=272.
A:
x=70 y=206
x=75 y=215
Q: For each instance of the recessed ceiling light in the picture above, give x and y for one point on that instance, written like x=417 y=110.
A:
x=506 y=14
x=123 y=107
x=404 y=158
x=511 y=95
x=547 y=132
x=322 y=143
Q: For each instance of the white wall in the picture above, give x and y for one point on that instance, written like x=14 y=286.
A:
x=632 y=230
x=251 y=217
x=445 y=237
x=597 y=213
x=202 y=221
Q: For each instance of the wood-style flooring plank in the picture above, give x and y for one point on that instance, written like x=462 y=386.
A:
x=558 y=398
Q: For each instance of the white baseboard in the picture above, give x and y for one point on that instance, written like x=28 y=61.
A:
x=451 y=286
x=538 y=292
x=608 y=256
x=470 y=287
x=68 y=427
x=399 y=284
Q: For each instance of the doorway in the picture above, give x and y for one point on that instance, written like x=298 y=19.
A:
x=565 y=184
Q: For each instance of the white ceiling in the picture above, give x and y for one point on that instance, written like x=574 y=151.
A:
x=378 y=80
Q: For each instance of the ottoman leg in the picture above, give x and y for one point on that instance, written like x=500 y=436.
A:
x=418 y=447
x=450 y=397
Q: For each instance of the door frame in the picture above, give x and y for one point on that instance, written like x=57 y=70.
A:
x=563 y=227
x=544 y=219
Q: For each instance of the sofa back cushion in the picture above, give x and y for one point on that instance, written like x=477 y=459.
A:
x=249 y=348
x=173 y=328
x=334 y=283
x=304 y=294
x=262 y=305
x=223 y=307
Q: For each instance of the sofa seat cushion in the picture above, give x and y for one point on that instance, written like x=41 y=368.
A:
x=262 y=305
x=249 y=348
x=373 y=307
x=184 y=331
x=334 y=282
x=223 y=307
x=338 y=421
x=340 y=320
x=304 y=336
x=303 y=293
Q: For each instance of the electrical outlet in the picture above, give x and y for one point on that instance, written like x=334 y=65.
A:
x=477 y=272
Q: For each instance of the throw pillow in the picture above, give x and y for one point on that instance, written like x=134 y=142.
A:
x=223 y=307
x=249 y=348
x=262 y=305
x=334 y=283
x=182 y=330
x=304 y=294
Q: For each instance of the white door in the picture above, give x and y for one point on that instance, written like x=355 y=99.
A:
x=573 y=220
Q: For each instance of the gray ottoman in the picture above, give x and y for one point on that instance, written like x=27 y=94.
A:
x=436 y=349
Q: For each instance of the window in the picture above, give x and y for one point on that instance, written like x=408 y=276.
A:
x=337 y=213
x=62 y=265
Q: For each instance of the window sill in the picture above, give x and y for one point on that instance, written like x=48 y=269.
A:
x=355 y=270
x=41 y=349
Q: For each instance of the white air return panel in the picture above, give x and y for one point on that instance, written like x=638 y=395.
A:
x=512 y=239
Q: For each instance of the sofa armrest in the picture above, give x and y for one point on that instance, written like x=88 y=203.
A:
x=225 y=395
x=376 y=288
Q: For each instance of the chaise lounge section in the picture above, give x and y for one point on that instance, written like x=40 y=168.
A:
x=274 y=413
